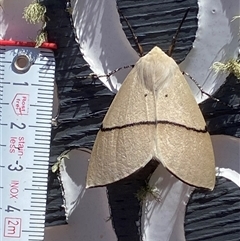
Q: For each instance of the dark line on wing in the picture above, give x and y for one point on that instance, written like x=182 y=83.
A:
x=141 y=123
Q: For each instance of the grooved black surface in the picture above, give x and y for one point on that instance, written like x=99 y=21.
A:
x=224 y=117
x=214 y=216
x=83 y=103
x=155 y=23
x=125 y=208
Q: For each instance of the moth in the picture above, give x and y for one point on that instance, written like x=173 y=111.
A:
x=153 y=116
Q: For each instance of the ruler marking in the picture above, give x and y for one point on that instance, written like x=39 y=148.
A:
x=33 y=168
x=47 y=89
x=46 y=75
x=44 y=81
x=46 y=137
x=42 y=96
x=44 y=111
x=45 y=102
x=36 y=190
x=42 y=122
x=42 y=165
x=41 y=93
x=41 y=105
x=24 y=83
x=43 y=134
x=42 y=143
x=38 y=173
x=33 y=126
x=50 y=77
x=38 y=225
x=34 y=210
x=43 y=202
x=30 y=231
x=45 y=157
x=41 y=85
x=38 y=147
x=43 y=152
x=41 y=131
x=40 y=160
x=43 y=198
x=37 y=206
x=38 y=181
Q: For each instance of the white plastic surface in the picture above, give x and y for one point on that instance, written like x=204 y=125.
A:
x=217 y=39
x=12 y=24
x=106 y=48
x=227 y=154
x=87 y=211
x=164 y=220
x=102 y=40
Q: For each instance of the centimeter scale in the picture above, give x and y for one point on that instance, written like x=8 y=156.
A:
x=26 y=99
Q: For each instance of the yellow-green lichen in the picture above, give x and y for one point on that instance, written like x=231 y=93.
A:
x=231 y=66
x=145 y=190
x=35 y=13
x=41 y=38
x=63 y=155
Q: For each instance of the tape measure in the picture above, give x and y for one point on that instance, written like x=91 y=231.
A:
x=26 y=98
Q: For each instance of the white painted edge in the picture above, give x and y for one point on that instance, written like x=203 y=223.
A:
x=102 y=40
x=106 y=48
x=227 y=155
x=87 y=211
x=217 y=40
x=164 y=220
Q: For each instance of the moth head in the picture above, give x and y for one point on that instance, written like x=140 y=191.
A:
x=155 y=69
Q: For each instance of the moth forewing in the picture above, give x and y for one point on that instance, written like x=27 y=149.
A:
x=154 y=115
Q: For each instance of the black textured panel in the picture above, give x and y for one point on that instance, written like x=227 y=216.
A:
x=125 y=207
x=83 y=103
x=221 y=118
x=214 y=215
x=155 y=23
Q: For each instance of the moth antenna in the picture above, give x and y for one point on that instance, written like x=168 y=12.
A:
x=204 y=92
x=174 y=39
x=140 y=50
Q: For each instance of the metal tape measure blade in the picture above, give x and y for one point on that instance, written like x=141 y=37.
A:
x=26 y=97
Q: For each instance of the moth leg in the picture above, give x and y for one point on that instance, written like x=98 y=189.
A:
x=204 y=92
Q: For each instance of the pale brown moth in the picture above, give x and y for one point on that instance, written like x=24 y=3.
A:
x=153 y=116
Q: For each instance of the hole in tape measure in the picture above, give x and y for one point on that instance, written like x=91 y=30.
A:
x=22 y=63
